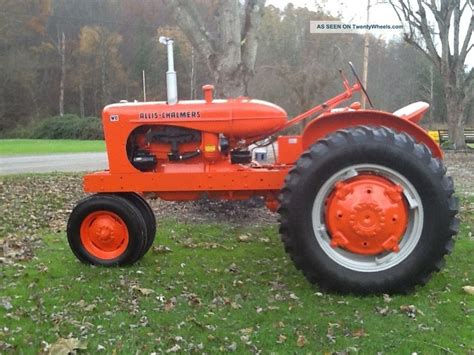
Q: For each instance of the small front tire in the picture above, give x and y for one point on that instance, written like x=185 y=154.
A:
x=107 y=230
x=148 y=216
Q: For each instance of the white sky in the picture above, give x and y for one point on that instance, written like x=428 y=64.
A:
x=355 y=11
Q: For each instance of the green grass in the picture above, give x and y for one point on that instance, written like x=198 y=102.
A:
x=48 y=146
x=217 y=295
x=209 y=292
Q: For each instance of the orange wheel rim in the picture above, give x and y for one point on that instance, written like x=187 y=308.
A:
x=104 y=235
x=367 y=215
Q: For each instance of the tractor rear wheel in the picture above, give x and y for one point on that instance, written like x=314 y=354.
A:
x=106 y=229
x=368 y=210
x=148 y=216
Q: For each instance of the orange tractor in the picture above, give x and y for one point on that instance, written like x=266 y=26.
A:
x=364 y=201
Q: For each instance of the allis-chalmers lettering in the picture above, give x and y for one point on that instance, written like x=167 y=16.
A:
x=172 y=114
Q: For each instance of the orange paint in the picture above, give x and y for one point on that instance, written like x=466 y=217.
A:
x=289 y=149
x=367 y=215
x=328 y=123
x=201 y=177
x=104 y=235
x=207 y=169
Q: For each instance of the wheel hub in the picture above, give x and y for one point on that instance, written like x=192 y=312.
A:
x=366 y=215
x=103 y=230
x=367 y=219
x=104 y=234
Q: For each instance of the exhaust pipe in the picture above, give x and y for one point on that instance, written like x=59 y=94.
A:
x=171 y=82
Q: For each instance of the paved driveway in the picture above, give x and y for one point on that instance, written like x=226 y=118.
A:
x=72 y=162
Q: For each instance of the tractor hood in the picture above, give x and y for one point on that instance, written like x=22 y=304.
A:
x=238 y=118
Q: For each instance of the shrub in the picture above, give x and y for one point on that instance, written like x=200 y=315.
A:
x=20 y=131
x=68 y=127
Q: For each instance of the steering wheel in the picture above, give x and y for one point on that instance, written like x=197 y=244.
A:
x=360 y=83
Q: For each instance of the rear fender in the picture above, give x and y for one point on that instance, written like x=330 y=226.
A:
x=328 y=123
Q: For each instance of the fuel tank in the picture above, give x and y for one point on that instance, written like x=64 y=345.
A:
x=239 y=118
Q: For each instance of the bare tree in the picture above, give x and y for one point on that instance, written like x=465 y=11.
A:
x=446 y=49
x=229 y=52
x=62 y=53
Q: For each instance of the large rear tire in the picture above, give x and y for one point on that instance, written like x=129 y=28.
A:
x=107 y=230
x=368 y=210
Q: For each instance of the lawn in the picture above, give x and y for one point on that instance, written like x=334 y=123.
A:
x=206 y=287
x=48 y=146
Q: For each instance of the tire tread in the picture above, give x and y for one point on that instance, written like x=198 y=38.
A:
x=346 y=138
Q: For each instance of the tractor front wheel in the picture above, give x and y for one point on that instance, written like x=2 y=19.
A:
x=147 y=214
x=107 y=230
x=368 y=210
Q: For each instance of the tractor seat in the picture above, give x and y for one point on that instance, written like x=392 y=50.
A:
x=413 y=112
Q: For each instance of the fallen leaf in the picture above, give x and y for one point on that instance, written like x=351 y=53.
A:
x=5 y=303
x=67 y=346
x=235 y=305
x=424 y=327
x=193 y=299
x=169 y=305
x=6 y=346
x=281 y=339
x=359 y=333
x=330 y=334
x=243 y=238
x=245 y=338
x=301 y=341
x=233 y=268
x=383 y=311
x=410 y=310
x=143 y=291
x=174 y=349
x=387 y=298
x=469 y=289
x=246 y=331
x=232 y=347
x=90 y=307
x=161 y=249
x=293 y=296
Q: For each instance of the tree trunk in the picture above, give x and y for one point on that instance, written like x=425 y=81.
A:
x=62 y=54
x=431 y=94
x=366 y=58
x=35 y=101
x=103 y=70
x=455 y=113
x=446 y=51
x=192 y=94
x=81 y=99
x=103 y=82
x=455 y=107
x=230 y=52
x=230 y=84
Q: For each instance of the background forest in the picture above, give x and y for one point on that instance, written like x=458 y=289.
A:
x=73 y=57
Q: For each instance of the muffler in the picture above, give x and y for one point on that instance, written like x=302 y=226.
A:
x=171 y=81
